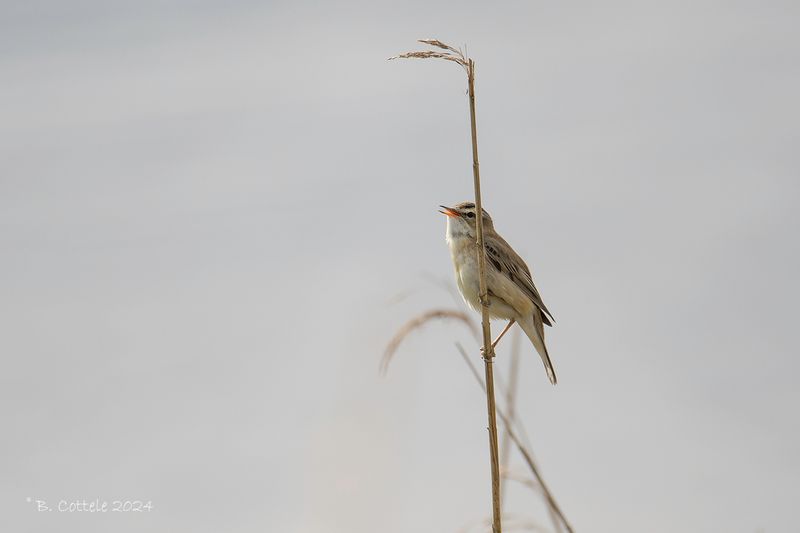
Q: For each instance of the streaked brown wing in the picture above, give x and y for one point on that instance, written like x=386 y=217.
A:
x=512 y=266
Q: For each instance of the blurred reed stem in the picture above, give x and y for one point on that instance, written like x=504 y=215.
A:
x=551 y=502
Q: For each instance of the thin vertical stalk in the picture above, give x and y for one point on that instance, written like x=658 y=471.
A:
x=511 y=409
x=488 y=351
x=511 y=415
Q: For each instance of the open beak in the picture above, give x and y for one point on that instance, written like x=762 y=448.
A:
x=449 y=211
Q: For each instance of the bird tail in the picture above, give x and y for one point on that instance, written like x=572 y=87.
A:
x=533 y=327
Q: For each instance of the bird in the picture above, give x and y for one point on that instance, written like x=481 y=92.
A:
x=511 y=293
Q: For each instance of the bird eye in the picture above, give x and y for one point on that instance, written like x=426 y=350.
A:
x=470 y=215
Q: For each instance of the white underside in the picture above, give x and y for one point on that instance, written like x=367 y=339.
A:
x=469 y=284
x=509 y=300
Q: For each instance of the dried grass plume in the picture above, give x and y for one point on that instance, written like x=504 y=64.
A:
x=416 y=323
x=453 y=54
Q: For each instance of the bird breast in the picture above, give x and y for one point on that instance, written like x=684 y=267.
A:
x=506 y=299
x=465 y=263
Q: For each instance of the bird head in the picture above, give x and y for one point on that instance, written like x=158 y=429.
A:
x=462 y=216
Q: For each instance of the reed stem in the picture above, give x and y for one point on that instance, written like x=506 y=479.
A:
x=457 y=56
x=488 y=350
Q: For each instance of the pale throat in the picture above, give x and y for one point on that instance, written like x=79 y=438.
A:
x=458 y=236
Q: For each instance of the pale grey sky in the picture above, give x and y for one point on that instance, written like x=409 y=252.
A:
x=209 y=212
